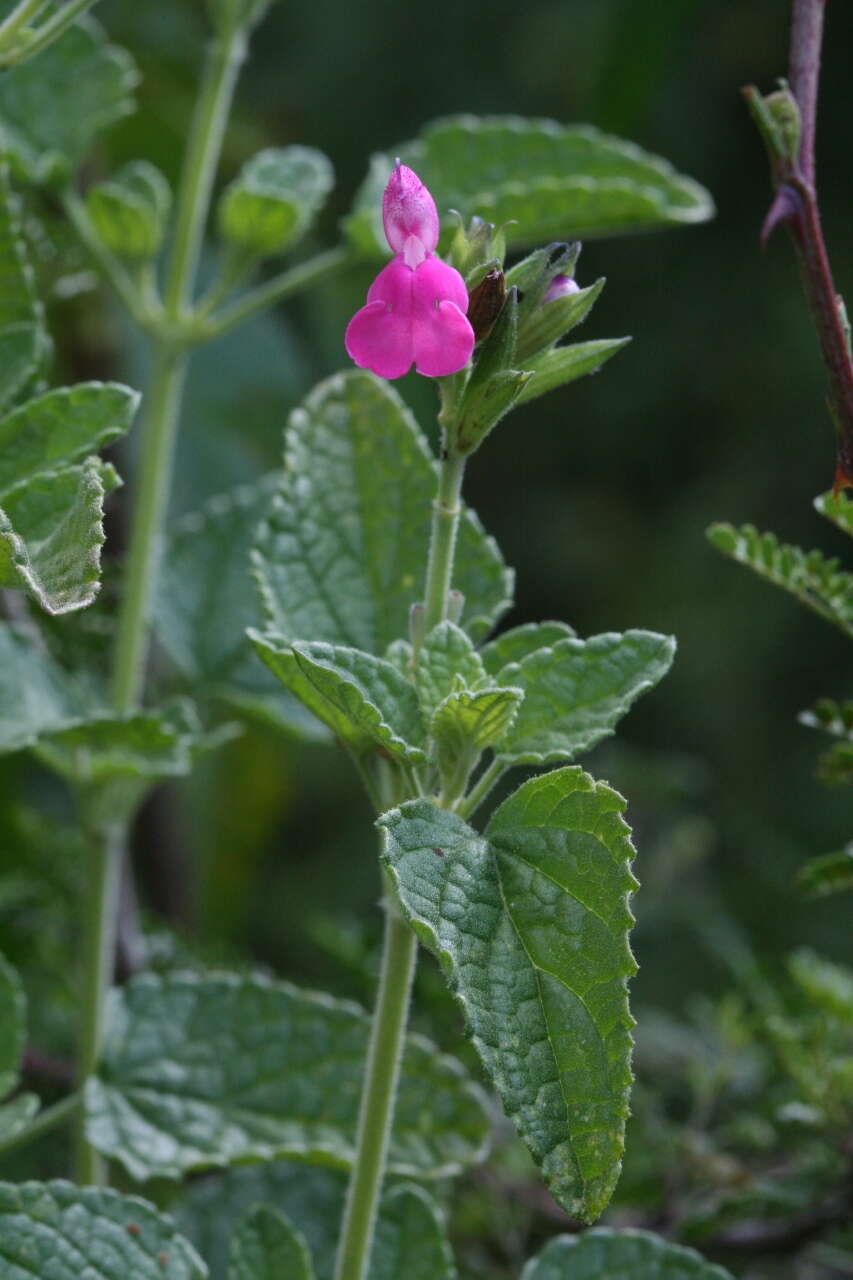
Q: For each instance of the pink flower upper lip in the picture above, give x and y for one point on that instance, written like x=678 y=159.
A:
x=416 y=307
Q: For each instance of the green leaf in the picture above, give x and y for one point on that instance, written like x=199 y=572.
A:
x=828 y=985
x=364 y=700
x=576 y=691
x=206 y=599
x=143 y=744
x=52 y=107
x=530 y=923
x=560 y=365
x=36 y=697
x=465 y=723
x=815 y=581
x=410 y=1239
x=838 y=508
x=342 y=555
x=65 y=1232
x=13 y=1025
x=211 y=1208
x=17 y=1115
x=51 y=534
x=23 y=341
x=265 y=1246
x=602 y=1254
x=447 y=661
x=202 y=1071
x=545 y=181
x=275 y=198
x=520 y=642
x=61 y=427
x=828 y=873
x=130 y=210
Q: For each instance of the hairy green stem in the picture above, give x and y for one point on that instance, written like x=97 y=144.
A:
x=399 y=953
x=106 y=847
x=225 y=56
x=56 y=26
x=159 y=428
x=321 y=267
x=378 y=1097
x=46 y=1120
x=19 y=17
x=488 y=779
x=442 y=548
x=110 y=266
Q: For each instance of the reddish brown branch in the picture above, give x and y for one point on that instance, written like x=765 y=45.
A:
x=795 y=204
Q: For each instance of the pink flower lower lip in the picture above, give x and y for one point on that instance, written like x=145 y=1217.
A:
x=416 y=307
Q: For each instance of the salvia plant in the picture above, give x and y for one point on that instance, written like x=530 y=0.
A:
x=352 y=596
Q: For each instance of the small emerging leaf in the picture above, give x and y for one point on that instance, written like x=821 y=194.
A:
x=447 y=661
x=130 y=210
x=274 y=200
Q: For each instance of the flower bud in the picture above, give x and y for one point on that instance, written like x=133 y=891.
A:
x=485 y=303
x=559 y=287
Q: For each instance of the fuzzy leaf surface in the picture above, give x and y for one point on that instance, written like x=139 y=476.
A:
x=410 y=1241
x=206 y=599
x=364 y=700
x=468 y=720
x=342 y=555
x=51 y=535
x=576 y=691
x=603 y=1254
x=447 y=661
x=202 y=1071
x=57 y=1230
x=61 y=427
x=47 y=131
x=808 y=575
x=17 y=1115
x=530 y=924
x=538 y=179
x=266 y=1246
x=520 y=642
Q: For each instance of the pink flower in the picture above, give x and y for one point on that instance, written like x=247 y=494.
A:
x=560 y=286
x=416 y=306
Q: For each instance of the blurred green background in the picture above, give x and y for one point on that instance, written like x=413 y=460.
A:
x=599 y=494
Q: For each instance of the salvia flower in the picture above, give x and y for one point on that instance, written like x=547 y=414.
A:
x=416 y=307
x=560 y=286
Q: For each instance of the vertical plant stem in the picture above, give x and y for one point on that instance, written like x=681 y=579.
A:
x=159 y=428
x=399 y=950
x=106 y=845
x=445 y=524
x=378 y=1097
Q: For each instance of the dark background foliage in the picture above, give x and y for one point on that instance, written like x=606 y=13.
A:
x=599 y=494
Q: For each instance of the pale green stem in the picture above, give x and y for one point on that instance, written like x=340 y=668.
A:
x=379 y=1094
x=282 y=286
x=102 y=893
x=159 y=427
x=46 y=1120
x=445 y=524
x=224 y=59
x=489 y=778
x=56 y=26
x=399 y=954
x=163 y=401
x=18 y=18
